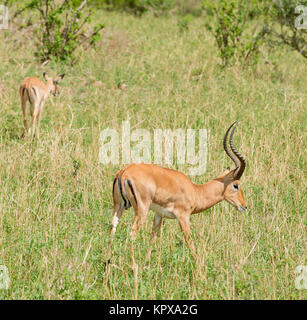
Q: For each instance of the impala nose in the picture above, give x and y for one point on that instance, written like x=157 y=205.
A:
x=241 y=208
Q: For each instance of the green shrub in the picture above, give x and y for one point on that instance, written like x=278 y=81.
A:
x=183 y=22
x=62 y=28
x=229 y=27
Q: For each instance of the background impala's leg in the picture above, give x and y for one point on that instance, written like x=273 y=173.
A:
x=155 y=229
x=34 y=119
x=32 y=109
x=23 y=108
x=39 y=118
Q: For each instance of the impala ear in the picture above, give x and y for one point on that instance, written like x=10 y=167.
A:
x=229 y=177
x=46 y=76
x=60 y=77
x=226 y=173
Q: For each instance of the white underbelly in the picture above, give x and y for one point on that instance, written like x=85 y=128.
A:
x=164 y=213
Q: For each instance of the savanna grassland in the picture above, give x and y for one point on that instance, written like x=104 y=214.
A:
x=56 y=197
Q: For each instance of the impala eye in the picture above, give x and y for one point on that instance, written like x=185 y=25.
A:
x=236 y=187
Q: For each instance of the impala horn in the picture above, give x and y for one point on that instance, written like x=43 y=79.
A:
x=239 y=159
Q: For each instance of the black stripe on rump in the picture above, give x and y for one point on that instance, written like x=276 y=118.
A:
x=131 y=188
x=34 y=91
x=27 y=94
x=114 y=182
x=121 y=192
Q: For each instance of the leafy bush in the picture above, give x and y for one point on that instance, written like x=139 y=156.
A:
x=62 y=28
x=230 y=30
x=183 y=22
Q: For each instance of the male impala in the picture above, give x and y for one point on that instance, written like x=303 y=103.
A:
x=36 y=92
x=171 y=194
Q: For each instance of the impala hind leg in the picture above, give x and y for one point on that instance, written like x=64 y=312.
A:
x=34 y=120
x=39 y=119
x=155 y=229
x=23 y=108
x=118 y=211
x=32 y=108
x=141 y=212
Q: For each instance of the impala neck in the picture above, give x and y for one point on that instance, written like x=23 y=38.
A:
x=208 y=194
x=48 y=86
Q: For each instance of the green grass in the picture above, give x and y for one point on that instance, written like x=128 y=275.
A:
x=54 y=225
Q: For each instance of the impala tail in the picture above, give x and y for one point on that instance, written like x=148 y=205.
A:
x=120 y=196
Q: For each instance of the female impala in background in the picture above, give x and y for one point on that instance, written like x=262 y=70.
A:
x=172 y=195
x=36 y=92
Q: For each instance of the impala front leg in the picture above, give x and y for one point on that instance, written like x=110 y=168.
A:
x=185 y=225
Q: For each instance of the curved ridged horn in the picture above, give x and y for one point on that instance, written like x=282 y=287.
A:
x=241 y=164
x=230 y=155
